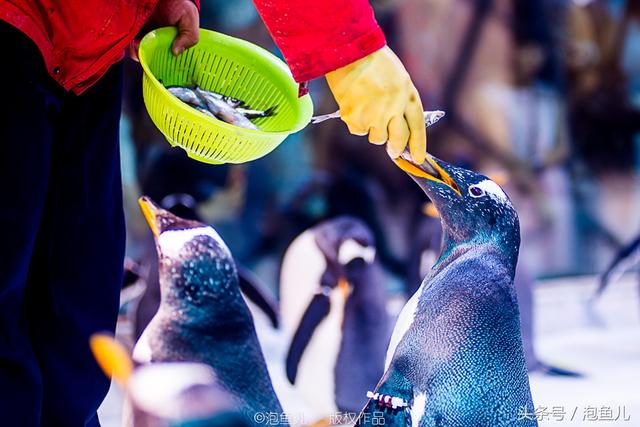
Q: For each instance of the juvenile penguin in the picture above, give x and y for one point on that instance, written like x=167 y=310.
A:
x=456 y=356
x=202 y=316
x=333 y=305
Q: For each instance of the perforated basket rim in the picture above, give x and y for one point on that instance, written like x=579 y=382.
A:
x=231 y=41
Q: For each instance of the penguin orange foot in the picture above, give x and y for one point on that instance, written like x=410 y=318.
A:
x=202 y=316
x=456 y=354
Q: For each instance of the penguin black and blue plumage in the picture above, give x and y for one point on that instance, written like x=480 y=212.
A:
x=180 y=394
x=425 y=252
x=202 y=316
x=456 y=356
x=333 y=304
x=627 y=256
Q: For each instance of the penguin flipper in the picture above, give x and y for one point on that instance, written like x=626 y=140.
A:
x=317 y=310
x=621 y=256
x=251 y=289
x=390 y=404
x=555 y=371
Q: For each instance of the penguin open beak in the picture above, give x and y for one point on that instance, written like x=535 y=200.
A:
x=429 y=169
x=150 y=211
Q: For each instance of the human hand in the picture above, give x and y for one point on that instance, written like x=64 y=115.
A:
x=182 y=14
x=377 y=97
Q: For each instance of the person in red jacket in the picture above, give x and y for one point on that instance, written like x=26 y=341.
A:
x=62 y=243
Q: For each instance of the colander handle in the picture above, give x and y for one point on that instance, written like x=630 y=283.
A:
x=430 y=117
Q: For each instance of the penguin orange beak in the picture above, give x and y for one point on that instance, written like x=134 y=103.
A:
x=150 y=211
x=430 y=170
x=345 y=287
x=112 y=357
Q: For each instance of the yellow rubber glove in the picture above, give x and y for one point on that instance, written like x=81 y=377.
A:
x=377 y=97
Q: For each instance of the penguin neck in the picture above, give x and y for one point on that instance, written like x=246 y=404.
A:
x=453 y=249
x=220 y=311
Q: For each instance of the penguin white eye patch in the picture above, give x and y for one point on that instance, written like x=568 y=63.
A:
x=487 y=188
x=350 y=250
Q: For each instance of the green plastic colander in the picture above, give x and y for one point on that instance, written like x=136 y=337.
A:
x=229 y=66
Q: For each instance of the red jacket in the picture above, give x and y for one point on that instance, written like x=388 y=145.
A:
x=80 y=39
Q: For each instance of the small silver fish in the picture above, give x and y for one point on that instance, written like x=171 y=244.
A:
x=187 y=95
x=430 y=117
x=223 y=111
x=233 y=102
x=205 y=111
x=254 y=114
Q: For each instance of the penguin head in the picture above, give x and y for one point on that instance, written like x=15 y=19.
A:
x=348 y=247
x=473 y=209
x=196 y=269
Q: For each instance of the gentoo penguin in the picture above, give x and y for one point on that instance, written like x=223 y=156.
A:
x=185 y=207
x=177 y=394
x=425 y=252
x=202 y=316
x=456 y=356
x=333 y=305
x=180 y=394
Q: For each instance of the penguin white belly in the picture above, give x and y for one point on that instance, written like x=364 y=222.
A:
x=417 y=409
x=403 y=323
x=302 y=268
x=315 y=380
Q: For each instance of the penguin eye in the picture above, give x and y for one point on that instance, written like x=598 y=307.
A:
x=475 y=191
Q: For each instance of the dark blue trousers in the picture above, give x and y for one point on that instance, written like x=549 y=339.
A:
x=61 y=238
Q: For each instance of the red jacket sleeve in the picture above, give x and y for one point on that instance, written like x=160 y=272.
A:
x=319 y=36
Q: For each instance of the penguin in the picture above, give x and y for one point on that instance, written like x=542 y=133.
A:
x=178 y=394
x=202 y=316
x=425 y=252
x=456 y=356
x=333 y=305
x=185 y=206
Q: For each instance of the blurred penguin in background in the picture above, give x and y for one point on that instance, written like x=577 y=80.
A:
x=623 y=260
x=180 y=394
x=333 y=305
x=176 y=394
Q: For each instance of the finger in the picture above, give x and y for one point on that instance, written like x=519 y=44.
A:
x=354 y=124
x=418 y=133
x=398 y=136
x=133 y=50
x=188 y=32
x=378 y=134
